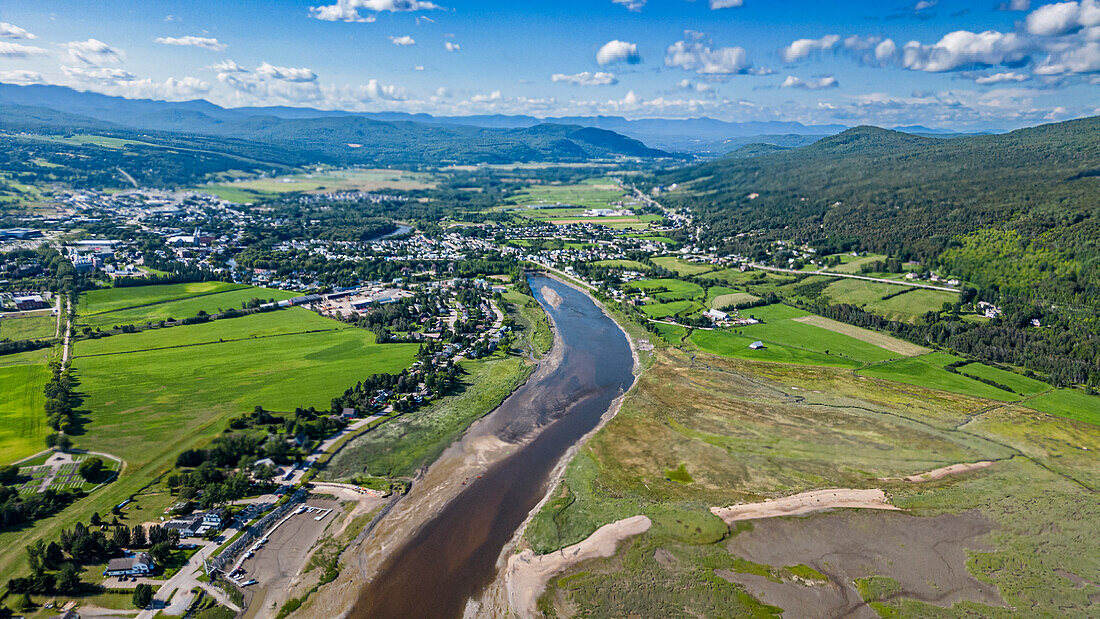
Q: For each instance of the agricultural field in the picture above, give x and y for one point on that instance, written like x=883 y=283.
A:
x=852 y=264
x=631 y=265
x=23 y=426
x=36 y=327
x=794 y=333
x=593 y=193
x=731 y=344
x=733 y=431
x=720 y=296
x=682 y=267
x=168 y=302
x=667 y=289
x=908 y=307
x=1020 y=384
x=670 y=308
x=1068 y=403
x=927 y=371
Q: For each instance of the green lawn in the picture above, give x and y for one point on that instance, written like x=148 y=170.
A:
x=729 y=344
x=673 y=334
x=1068 y=403
x=787 y=332
x=177 y=309
x=39 y=327
x=22 y=414
x=927 y=371
x=111 y=299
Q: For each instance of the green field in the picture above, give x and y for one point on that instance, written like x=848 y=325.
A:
x=671 y=308
x=597 y=193
x=1068 y=403
x=632 y=265
x=681 y=267
x=22 y=414
x=908 y=307
x=852 y=264
x=927 y=371
x=112 y=299
x=794 y=334
x=729 y=344
x=252 y=190
x=1020 y=384
x=667 y=289
x=39 y=327
x=177 y=308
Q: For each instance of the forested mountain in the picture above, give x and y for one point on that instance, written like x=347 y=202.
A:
x=1016 y=215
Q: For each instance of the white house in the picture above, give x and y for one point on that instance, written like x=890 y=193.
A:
x=140 y=564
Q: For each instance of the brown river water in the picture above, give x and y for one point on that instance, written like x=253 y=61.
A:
x=453 y=556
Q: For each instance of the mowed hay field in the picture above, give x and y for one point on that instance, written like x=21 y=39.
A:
x=22 y=408
x=1010 y=539
x=36 y=327
x=106 y=308
x=908 y=307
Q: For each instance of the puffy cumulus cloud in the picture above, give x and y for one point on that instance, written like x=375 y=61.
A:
x=827 y=81
x=686 y=84
x=586 y=78
x=353 y=10
x=1083 y=59
x=286 y=74
x=192 y=41
x=695 y=53
x=618 y=51
x=21 y=77
x=998 y=78
x=122 y=83
x=451 y=46
x=228 y=66
x=631 y=5
x=18 y=50
x=726 y=4
x=963 y=49
x=11 y=31
x=802 y=48
x=92 y=52
x=1063 y=18
x=403 y=41
x=376 y=90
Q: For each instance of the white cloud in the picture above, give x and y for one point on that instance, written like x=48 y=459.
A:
x=725 y=4
x=451 y=46
x=1083 y=59
x=352 y=10
x=11 y=31
x=192 y=41
x=686 y=84
x=997 y=78
x=98 y=74
x=1014 y=5
x=804 y=47
x=93 y=52
x=631 y=5
x=286 y=74
x=21 y=77
x=1063 y=18
x=228 y=66
x=886 y=50
x=961 y=49
x=695 y=53
x=376 y=90
x=17 y=50
x=825 y=82
x=618 y=51
x=418 y=67
x=586 y=78
x=403 y=41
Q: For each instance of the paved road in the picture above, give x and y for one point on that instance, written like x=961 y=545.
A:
x=175 y=595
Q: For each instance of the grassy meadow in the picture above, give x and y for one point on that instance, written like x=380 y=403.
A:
x=37 y=327
x=22 y=410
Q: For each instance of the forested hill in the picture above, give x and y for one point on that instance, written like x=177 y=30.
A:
x=906 y=195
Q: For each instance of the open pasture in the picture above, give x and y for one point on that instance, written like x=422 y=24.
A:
x=632 y=265
x=587 y=195
x=682 y=267
x=731 y=344
x=112 y=299
x=927 y=371
x=881 y=340
x=1017 y=382
x=794 y=333
x=251 y=190
x=180 y=308
x=667 y=289
x=22 y=410
x=41 y=326
x=908 y=307
x=670 y=308
x=1068 y=403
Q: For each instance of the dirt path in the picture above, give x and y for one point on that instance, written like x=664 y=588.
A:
x=527 y=573
x=944 y=471
x=805 y=503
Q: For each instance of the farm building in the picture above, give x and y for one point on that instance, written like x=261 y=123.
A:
x=757 y=345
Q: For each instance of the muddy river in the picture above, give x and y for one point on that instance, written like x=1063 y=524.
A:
x=452 y=557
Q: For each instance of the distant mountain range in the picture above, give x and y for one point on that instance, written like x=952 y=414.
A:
x=699 y=136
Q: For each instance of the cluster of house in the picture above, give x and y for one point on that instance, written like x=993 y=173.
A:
x=198 y=524
x=724 y=319
x=27 y=300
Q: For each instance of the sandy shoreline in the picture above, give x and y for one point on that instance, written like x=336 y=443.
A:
x=527 y=574
x=805 y=503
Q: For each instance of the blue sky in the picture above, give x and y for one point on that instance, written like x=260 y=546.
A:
x=946 y=63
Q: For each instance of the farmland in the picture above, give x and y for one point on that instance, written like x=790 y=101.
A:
x=927 y=371
x=253 y=190
x=35 y=327
x=682 y=267
x=22 y=413
x=158 y=305
x=597 y=193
